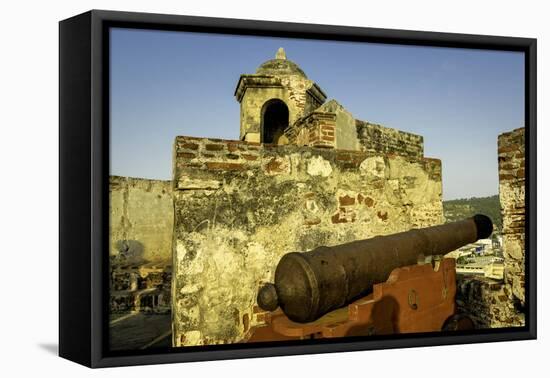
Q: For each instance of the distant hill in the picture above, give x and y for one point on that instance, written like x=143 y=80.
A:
x=466 y=207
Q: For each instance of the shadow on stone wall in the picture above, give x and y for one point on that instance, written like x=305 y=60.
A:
x=129 y=252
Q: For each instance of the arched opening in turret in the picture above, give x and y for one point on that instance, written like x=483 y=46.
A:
x=274 y=121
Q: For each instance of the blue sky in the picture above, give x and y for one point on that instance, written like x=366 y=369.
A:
x=165 y=84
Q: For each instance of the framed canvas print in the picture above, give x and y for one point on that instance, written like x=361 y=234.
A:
x=234 y=188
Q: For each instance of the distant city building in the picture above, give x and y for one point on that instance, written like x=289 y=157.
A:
x=479 y=258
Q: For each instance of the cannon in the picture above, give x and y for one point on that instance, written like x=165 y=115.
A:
x=311 y=284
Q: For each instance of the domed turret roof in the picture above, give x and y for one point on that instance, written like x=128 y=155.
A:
x=280 y=66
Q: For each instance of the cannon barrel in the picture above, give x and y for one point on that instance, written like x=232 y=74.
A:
x=310 y=284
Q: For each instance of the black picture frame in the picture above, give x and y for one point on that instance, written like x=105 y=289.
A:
x=84 y=192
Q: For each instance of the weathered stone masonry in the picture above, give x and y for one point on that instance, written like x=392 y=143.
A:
x=385 y=140
x=511 y=168
x=141 y=216
x=240 y=206
x=141 y=229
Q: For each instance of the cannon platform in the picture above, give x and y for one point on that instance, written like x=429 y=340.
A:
x=414 y=298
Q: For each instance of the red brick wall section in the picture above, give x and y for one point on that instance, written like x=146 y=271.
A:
x=511 y=157
x=322 y=129
x=215 y=154
x=317 y=129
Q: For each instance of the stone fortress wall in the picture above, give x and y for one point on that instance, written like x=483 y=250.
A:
x=141 y=217
x=511 y=168
x=239 y=206
x=140 y=241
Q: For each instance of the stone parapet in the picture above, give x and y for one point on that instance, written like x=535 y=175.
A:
x=385 y=140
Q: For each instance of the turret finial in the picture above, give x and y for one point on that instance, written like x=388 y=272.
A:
x=280 y=54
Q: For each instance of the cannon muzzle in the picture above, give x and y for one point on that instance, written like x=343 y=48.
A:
x=310 y=284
